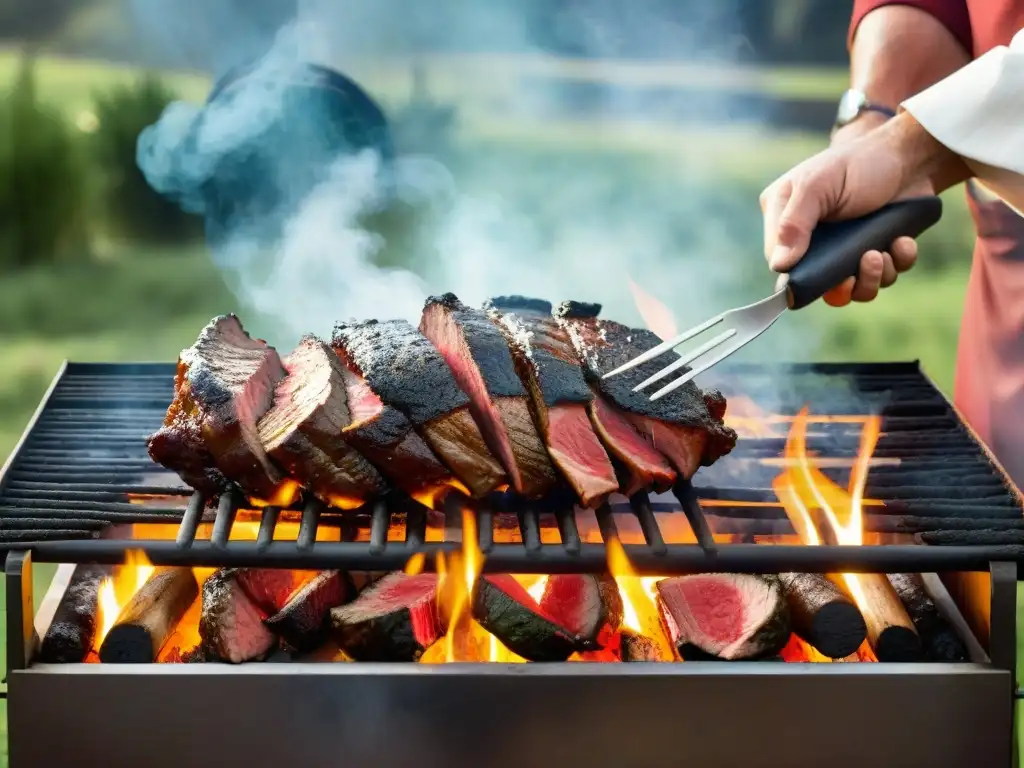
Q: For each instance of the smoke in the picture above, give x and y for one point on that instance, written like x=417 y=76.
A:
x=485 y=220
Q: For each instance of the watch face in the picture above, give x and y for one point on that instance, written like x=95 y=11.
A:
x=850 y=106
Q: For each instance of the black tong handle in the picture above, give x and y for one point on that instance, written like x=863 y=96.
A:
x=836 y=246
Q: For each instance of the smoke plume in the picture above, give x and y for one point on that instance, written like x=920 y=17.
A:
x=512 y=218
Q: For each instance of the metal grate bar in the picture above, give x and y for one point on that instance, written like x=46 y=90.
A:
x=308 y=525
x=268 y=524
x=190 y=520
x=529 y=527
x=380 y=519
x=485 y=527
x=687 y=496
x=648 y=523
x=226 y=509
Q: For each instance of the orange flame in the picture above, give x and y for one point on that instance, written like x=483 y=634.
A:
x=804 y=488
x=657 y=317
x=639 y=606
x=457 y=575
x=117 y=590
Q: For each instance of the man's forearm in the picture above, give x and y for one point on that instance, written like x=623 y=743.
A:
x=898 y=51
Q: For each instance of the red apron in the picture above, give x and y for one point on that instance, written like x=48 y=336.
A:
x=990 y=358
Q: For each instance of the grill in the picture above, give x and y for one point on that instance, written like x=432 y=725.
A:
x=81 y=476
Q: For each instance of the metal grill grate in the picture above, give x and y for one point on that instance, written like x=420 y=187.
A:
x=82 y=469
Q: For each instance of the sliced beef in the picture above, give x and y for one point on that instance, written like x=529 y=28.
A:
x=395 y=619
x=302 y=431
x=231 y=625
x=230 y=380
x=178 y=444
x=559 y=395
x=724 y=615
x=685 y=426
x=270 y=588
x=404 y=369
x=303 y=622
x=576 y=613
x=478 y=356
x=645 y=467
x=386 y=438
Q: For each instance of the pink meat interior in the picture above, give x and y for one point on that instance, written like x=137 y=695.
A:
x=439 y=326
x=574 y=447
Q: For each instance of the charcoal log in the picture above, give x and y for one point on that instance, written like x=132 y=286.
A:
x=728 y=616
x=395 y=619
x=72 y=633
x=891 y=633
x=940 y=640
x=231 y=624
x=575 y=613
x=150 y=617
x=823 y=615
x=303 y=623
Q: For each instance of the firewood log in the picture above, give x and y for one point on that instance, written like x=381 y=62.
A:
x=150 y=617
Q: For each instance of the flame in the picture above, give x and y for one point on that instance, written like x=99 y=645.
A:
x=283 y=496
x=415 y=564
x=749 y=419
x=118 y=589
x=432 y=496
x=657 y=317
x=804 y=488
x=457 y=574
x=639 y=605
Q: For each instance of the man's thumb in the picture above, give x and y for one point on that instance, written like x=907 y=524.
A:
x=801 y=215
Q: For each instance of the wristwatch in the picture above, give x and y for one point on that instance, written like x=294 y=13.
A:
x=853 y=104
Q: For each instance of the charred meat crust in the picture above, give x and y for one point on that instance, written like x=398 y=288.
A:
x=231 y=379
x=178 y=444
x=302 y=431
x=482 y=364
x=581 y=310
x=486 y=345
x=604 y=345
x=402 y=367
x=518 y=304
x=543 y=352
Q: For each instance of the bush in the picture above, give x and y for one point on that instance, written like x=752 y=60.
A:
x=42 y=197
x=134 y=210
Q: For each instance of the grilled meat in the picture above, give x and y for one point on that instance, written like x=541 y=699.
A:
x=406 y=372
x=727 y=616
x=303 y=622
x=386 y=438
x=644 y=466
x=231 y=625
x=225 y=385
x=478 y=356
x=686 y=426
x=302 y=431
x=559 y=395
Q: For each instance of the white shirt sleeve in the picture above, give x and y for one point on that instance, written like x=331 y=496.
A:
x=978 y=113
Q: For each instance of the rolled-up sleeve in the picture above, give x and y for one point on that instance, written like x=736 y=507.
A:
x=952 y=13
x=978 y=113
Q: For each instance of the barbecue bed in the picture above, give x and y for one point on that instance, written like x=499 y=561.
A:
x=80 y=489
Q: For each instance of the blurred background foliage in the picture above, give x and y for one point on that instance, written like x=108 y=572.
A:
x=95 y=266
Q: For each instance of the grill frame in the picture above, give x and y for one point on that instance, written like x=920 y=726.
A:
x=971 y=705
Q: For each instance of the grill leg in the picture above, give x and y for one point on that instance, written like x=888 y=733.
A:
x=1003 y=634
x=22 y=641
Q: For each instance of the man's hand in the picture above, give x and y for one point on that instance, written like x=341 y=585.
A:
x=878 y=269
x=850 y=179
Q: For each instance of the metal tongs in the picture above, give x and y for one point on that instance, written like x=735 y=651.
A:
x=833 y=255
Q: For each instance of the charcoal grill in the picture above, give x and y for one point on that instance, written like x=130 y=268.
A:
x=81 y=474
